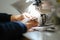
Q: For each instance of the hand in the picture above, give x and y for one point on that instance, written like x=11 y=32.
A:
x=31 y=23
x=20 y=17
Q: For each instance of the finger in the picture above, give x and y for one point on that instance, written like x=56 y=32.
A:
x=30 y=30
x=33 y=17
x=27 y=16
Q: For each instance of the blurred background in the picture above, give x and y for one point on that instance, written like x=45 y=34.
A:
x=17 y=7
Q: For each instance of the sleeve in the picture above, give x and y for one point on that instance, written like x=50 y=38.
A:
x=4 y=17
x=12 y=29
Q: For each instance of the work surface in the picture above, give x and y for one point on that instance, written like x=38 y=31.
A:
x=43 y=35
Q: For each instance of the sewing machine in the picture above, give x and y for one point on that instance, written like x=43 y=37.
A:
x=46 y=31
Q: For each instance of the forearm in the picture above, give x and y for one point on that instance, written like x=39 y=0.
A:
x=17 y=17
x=4 y=17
